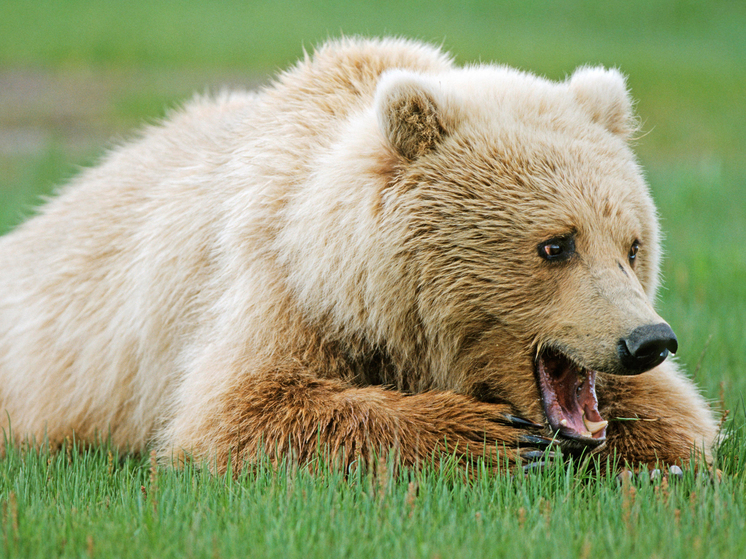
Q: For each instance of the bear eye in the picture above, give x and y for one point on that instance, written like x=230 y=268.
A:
x=557 y=249
x=633 y=251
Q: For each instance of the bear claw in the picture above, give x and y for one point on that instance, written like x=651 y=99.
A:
x=537 y=454
x=536 y=440
x=520 y=422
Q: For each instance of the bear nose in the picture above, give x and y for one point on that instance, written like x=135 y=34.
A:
x=647 y=347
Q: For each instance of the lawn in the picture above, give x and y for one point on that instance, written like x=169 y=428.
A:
x=78 y=76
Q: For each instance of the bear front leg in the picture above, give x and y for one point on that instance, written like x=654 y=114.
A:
x=294 y=414
x=656 y=417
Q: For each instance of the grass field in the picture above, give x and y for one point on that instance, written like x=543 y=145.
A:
x=75 y=74
x=101 y=505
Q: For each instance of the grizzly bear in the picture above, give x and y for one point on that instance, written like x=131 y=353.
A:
x=380 y=251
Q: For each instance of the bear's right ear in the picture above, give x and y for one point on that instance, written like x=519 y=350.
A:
x=410 y=113
x=603 y=93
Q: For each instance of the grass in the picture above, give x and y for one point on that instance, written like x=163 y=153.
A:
x=703 y=213
x=75 y=74
x=98 y=503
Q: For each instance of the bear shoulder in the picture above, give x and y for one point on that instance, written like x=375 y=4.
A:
x=353 y=65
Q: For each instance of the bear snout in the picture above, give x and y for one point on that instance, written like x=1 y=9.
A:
x=646 y=347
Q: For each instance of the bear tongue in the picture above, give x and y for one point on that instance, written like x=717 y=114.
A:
x=569 y=397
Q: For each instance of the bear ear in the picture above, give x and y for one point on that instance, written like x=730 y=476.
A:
x=603 y=94
x=410 y=113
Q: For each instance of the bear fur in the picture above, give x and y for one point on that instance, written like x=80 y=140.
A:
x=348 y=257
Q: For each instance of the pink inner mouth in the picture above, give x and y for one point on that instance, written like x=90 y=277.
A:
x=568 y=393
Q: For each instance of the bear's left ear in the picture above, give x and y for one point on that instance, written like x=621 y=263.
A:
x=603 y=93
x=411 y=113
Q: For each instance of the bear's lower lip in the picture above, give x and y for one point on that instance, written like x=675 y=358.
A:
x=568 y=393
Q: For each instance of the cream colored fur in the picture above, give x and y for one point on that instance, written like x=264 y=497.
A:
x=192 y=257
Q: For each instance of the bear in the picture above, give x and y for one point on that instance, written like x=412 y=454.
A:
x=379 y=251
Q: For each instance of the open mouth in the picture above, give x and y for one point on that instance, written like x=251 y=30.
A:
x=568 y=393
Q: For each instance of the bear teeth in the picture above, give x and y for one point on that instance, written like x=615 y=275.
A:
x=594 y=426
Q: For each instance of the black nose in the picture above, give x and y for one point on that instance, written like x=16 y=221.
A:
x=647 y=347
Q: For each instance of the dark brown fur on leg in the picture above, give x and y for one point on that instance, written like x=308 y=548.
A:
x=653 y=418
x=293 y=413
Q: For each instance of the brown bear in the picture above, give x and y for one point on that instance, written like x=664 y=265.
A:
x=379 y=251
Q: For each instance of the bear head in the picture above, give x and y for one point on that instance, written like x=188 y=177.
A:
x=531 y=240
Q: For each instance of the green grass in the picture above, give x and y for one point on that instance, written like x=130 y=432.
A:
x=703 y=213
x=97 y=503
x=684 y=58
x=74 y=74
